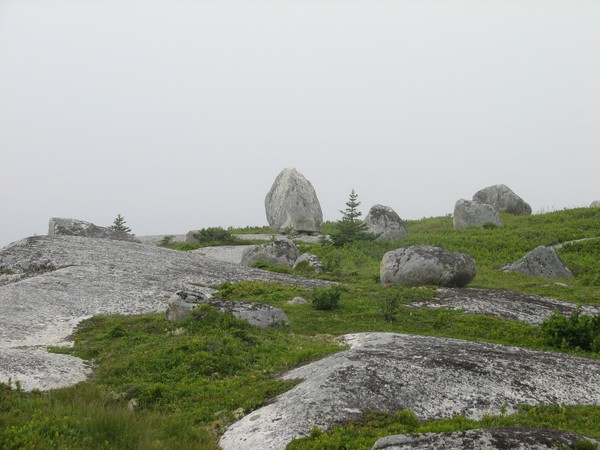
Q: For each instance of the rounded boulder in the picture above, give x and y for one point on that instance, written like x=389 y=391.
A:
x=422 y=265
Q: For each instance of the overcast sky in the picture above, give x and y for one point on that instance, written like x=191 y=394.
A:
x=180 y=114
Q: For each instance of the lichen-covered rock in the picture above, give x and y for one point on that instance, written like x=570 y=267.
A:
x=433 y=377
x=292 y=203
x=385 y=222
x=57 y=281
x=310 y=259
x=281 y=252
x=182 y=303
x=500 y=438
x=540 y=262
x=503 y=199
x=74 y=227
x=422 y=265
x=469 y=213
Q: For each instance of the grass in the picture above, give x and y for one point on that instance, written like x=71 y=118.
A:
x=191 y=379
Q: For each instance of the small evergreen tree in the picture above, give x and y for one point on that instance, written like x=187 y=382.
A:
x=119 y=224
x=350 y=228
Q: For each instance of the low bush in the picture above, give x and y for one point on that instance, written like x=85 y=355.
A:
x=326 y=298
x=578 y=331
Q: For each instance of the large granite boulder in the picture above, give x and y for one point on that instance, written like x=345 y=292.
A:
x=595 y=204
x=469 y=213
x=422 y=265
x=280 y=252
x=74 y=227
x=503 y=199
x=312 y=261
x=385 y=222
x=292 y=203
x=182 y=303
x=540 y=262
x=500 y=438
x=433 y=377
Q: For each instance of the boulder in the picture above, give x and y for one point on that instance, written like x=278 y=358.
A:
x=280 y=252
x=503 y=199
x=595 y=204
x=312 y=260
x=422 y=265
x=501 y=438
x=385 y=222
x=292 y=203
x=540 y=262
x=190 y=236
x=74 y=227
x=469 y=213
x=433 y=377
x=258 y=314
x=298 y=301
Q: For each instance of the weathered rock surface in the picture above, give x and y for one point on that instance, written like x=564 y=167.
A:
x=501 y=438
x=69 y=278
x=474 y=214
x=74 y=227
x=433 y=377
x=532 y=309
x=502 y=198
x=385 y=222
x=281 y=252
x=540 y=262
x=595 y=204
x=229 y=253
x=312 y=260
x=422 y=265
x=292 y=203
x=181 y=304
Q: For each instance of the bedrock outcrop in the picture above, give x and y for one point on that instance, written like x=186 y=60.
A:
x=433 y=377
x=60 y=280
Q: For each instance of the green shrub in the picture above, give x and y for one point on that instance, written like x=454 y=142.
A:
x=214 y=236
x=326 y=298
x=576 y=331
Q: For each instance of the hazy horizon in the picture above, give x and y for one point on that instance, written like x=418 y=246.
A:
x=179 y=115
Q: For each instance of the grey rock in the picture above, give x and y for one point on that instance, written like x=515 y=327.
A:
x=312 y=260
x=298 y=301
x=281 y=252
x=501 y=438
x=469 y=213
x=532 y=309
x=229 y=253
x=86 y=277
x=422 y=265
x=190 y=236
x=74 y=227
x=183 y=302
x=433 y=377
x=540 y=262
x=385 y=222
x=292 y=203
x=503 y=199
x=595 y=204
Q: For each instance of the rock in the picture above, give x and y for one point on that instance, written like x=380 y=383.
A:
x=190 y=236
x=85 y=277
x=422 y=265
x=263 y=316
x=312 y=260
x=501 y=438
x=540 y=262
x=281 y=252
x=298 y=301
x=532 y=309
x=74 y=227
x=433 y=377
x=595 y=204
x=474 y=214
x=292 y=203
x=503 y=199
x=385 y=222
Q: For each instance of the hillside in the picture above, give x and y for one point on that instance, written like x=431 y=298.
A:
x=162 y=385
